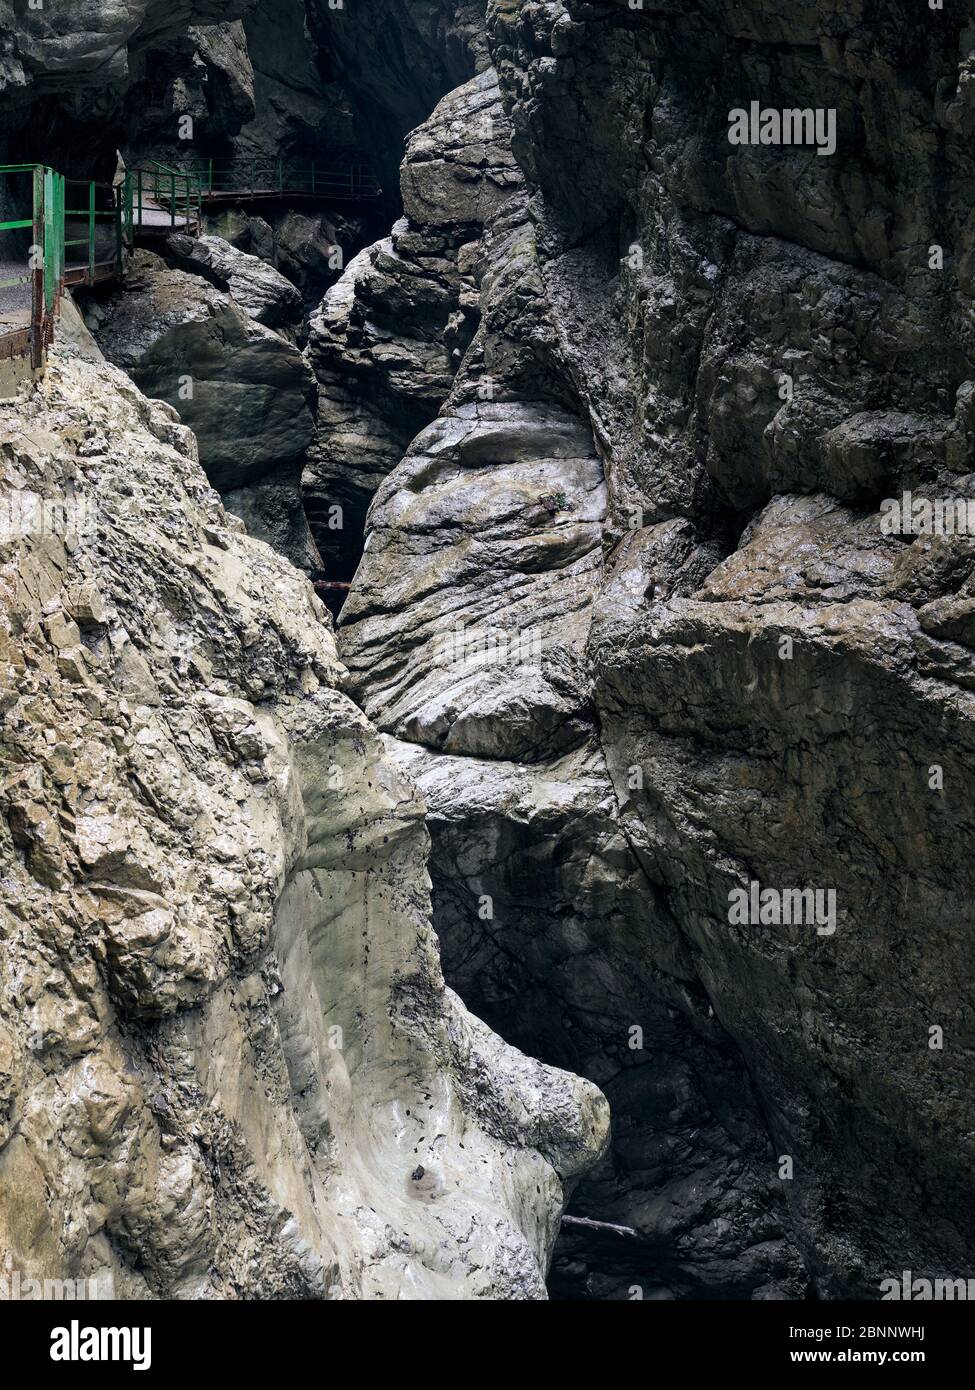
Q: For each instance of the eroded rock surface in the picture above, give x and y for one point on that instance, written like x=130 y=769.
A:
x=741 y=676
x=253 y=284
x=466 y=634
x=79 y=63
x=768 y=345
x=229 y=1066
x=241 y=386
x=390 y=334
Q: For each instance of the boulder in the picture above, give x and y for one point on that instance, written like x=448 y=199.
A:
x=243 y=389
x=256 y=287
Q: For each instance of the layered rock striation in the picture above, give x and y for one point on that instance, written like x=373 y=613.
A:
x=466 y=635
x=389 y=336
x=699 y=370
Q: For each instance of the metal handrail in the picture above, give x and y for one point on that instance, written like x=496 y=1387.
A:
x=355 y=179
x=182 y=192
x=174 y=190
x=178 y=192
x=44 y=270
x=48 y=267
x=92 y=213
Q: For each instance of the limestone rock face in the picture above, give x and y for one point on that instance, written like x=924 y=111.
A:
x=835 y=1019
x=383 y=375
x=86 y=49
x=83 y=59
x=229 y=1066
x=466 y=634
x=254 y=285
x=308 y=248
x=389 y=335
x=493 y=503
x=228 y=72
x=242 y=387
x=768 y=344
x=691 y=274
x=303 y=248
x=741 y=676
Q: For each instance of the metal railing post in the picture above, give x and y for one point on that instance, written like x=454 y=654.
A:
x=50 y=246
x=37 y=279
x=91 y=233
x=60 y=233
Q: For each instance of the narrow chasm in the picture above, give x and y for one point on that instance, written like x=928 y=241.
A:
x=485 y=580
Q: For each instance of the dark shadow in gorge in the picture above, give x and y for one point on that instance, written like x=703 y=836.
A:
x=689 y=1147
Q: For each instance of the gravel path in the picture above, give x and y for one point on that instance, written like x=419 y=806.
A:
x=14 y=299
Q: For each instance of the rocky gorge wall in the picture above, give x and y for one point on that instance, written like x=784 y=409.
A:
x=800 y=709
x=229 y=1066
x=698 y=371
x=607 y=418
x=546 y=916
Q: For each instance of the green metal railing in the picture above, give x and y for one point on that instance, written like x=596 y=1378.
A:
x=44 y=261
x=85 y=268
x=81 y=239
x=52 y=241
x=48 y=264
x=157 y=197
x=353 y=180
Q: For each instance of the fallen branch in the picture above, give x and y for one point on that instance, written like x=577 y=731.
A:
x=587 y=1224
